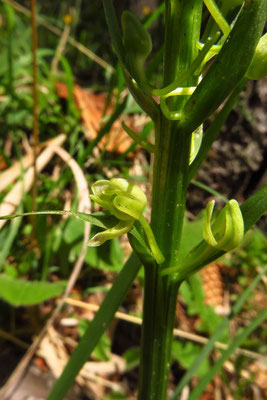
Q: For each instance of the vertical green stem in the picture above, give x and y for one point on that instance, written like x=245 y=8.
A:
x=170 y=179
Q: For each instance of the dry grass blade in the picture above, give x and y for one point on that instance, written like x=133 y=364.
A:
x=12 y=173
x=83 y=191
x=13 y=198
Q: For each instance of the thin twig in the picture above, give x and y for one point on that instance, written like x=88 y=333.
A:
x=7 y=336
x=176 y=332
x=35 y=111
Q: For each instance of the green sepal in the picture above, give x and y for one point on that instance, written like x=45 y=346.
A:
x=136 y=38
x=118 y=230
x=138 y=45
x=131 y=207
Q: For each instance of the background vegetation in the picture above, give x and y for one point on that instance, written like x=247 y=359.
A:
x=81 y=102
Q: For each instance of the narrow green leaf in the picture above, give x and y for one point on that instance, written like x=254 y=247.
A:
x=24 y=293
x=209 y=190
x=114 y=30
x=69 y=82
x=96 y=328
x=154 y=15
x=102 y=220
x=254 y=207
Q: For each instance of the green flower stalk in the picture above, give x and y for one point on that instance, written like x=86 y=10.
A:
x=126 y=202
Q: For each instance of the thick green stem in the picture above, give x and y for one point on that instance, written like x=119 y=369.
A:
x=170 y=181
x=169 y=188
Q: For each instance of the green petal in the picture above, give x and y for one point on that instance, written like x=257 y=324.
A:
x=129 y=206
x=103 y=203
x=118 y=230
x=99 y=187
x=207 y=231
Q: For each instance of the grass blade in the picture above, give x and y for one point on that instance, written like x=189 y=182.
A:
x=97 y=327
x=114 y=29
x=209 y=190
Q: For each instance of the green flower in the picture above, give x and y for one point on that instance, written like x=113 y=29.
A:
x=126 y=202
x=227 y=231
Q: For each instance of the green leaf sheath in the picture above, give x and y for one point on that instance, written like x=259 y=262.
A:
x=97 y=327
x=229 y=67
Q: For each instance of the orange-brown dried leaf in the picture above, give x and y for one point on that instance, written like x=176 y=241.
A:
x=92 y=107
